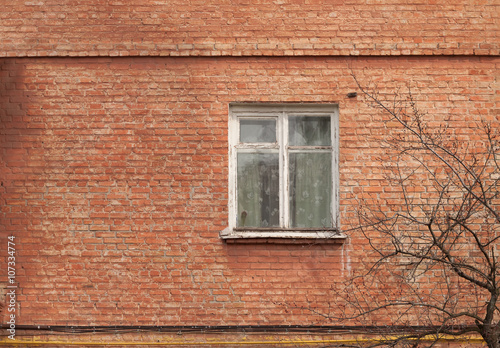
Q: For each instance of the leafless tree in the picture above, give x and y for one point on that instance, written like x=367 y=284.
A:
x=433 y=233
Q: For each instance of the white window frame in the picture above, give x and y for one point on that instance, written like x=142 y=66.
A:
x=281 y=112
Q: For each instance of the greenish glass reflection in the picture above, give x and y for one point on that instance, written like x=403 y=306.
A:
x=257 y=130
x=309 y=131
x=258 y=190
x=310 y=189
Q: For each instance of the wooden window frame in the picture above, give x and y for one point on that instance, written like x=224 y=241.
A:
x=281 y=113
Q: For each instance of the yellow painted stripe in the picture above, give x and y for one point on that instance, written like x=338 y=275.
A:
x=242 y=343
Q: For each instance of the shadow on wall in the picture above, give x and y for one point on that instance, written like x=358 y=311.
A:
x=12 y=158
x=18 y=138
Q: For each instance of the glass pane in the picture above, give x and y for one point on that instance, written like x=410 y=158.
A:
x=306 y=130
x=310 y=189
x=258 y=190
x=258 y=130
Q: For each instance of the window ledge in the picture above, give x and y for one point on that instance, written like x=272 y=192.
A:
x=282 y=236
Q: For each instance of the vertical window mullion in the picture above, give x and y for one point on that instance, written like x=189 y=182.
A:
x=285 y=185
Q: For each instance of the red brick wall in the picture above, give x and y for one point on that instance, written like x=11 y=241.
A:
x=114 y=179
x=180 y=28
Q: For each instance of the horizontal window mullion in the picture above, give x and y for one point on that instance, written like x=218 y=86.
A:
x=290 y=150
x=257 y=146
x=309 y=147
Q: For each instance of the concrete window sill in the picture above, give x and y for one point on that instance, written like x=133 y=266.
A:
x=258 y=235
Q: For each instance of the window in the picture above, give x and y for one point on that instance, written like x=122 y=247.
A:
x=283 y=171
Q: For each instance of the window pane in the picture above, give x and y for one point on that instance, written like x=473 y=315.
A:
x=306 y=130
x=310 y=189
x=258 y=190
x=258 y=131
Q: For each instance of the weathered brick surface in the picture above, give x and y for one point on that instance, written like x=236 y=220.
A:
x=215 y=28
x=114 y=179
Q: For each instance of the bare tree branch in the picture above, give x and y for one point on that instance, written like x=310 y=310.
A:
x=434 y=241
